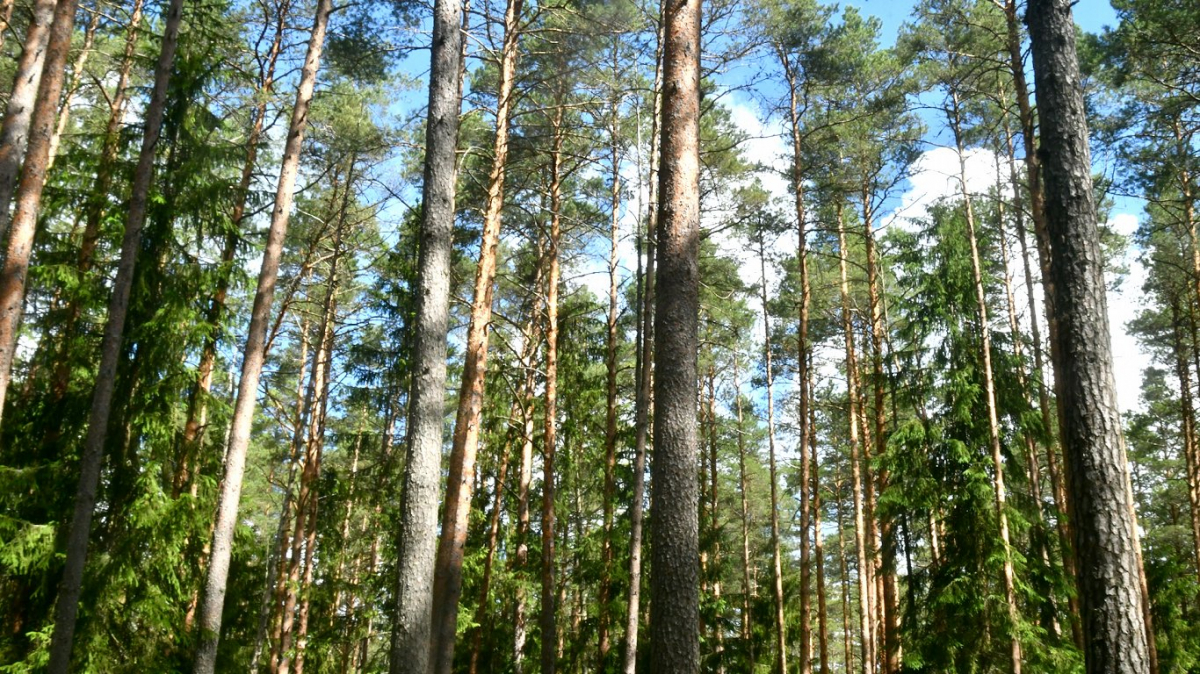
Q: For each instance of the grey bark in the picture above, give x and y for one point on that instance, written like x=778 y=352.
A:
x=67 y=607
x=422 y=468
x=1114 y=631
x=675 y=553
x=254 y=354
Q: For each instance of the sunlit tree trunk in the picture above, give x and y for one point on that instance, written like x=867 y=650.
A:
x=447 y=585
x=747 y=586
x=28 y=195
x=254 y=355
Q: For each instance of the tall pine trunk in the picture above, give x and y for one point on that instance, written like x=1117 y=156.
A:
x=255 y=353
x=14 y=134
x=776 y=556
x=412 y=626
x=865 y=581
x=28 y=195
x=989 y=393
x=1114 y=629
x=67 y=607
x=674 y=586
x=447 y=585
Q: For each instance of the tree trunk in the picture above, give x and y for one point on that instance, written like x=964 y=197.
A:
x=482 y=614
x=776 y=560
x=802 y=348
x=818 y=535
x=447 y=585
x=865 y=582
x=254 y=354
x=67 y=606
x=1113 y=627
x=197 y=416
x=17 y=115
x=644 y=375
x=1187 y=422
x=28 y=195
x=64 y=113
x=843 y=572
x=610 y=419
x=550 y=437
x=989 y=393
x=412 y=630
x=747 y=586
x=674 y=596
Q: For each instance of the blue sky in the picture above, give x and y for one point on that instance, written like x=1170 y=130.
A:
x=1091 y=15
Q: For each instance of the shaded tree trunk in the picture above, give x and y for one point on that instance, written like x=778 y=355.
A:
x=447 y=585
x=14 y=134
x=674 y=602
x=1114 y=629
x=67 y=607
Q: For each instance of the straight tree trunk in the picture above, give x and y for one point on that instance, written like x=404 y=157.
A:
x=28 y=195
x=482 y=614
x=1187 y=419
x=197 y=418
x=818 y=536
x=674 y=596
x=844 y=573
x=254 y=354
x=645 y=373
x=77 y=71
x=865 y=582
x=610 y=418
x=14 y=134
x=1114 y=629
x=67 y=607
x=989 y=393
x=776 y=558
x=447 y=585
x=412 y=630
x=549 y=616
x=747 y=587
x=802 y=348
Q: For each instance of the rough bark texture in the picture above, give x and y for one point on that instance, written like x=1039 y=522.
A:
x=674 y=589
x=254 y=354
x=29 y=189
x=15 y=132
x=1114 y=630
x=447 y=584
x=412 y=629
x=67 y=607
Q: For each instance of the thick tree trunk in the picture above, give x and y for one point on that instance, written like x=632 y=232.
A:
x=989 y=393
x=28 y=195
x=412 y=630
x=67 y=607
x=865 y=581
x=1114 y=629
x=447 y=585
x=254 y=354
x=776 y=557
x=674 y=596
x=14 y=134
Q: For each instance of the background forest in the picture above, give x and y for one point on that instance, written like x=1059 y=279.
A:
x=881 y=473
